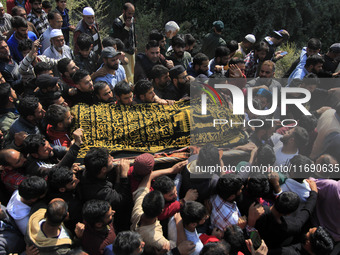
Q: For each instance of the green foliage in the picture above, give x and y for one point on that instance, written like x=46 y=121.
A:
x=283 y=64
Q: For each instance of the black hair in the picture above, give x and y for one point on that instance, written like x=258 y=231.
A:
x=152 y=44
x=51 y=15
x=27 y=106
x=314 y=44
x=84 y=41
x=208 y=156
x=108 y=42
x=261 y=46
x=321 y=241
x=178 y=40
x=221 y=51
x=126 y=243
x=46 y=4
x=158 y=71
x=56 y=114
x=79 y=75
x=228 y=185
x=301 y=137
x=5 y=92
x=32 y=188
x=95 y=160
x=232 y=45
x=258 y=185
x=56 y=212
x=308 y=122
x=155 y=35
x=41 y=67
x=192 y=212
x=142 y=87
x=189 y=39
x=33 y=1
x=314 y=60
x=299 y=161
x=265 y=155
x=62 y=65
x=311 y=79
x=287 y=202
x=153 y=204
x=266 y=124
x=199 y=58
x=25 y=44
x=59 y=177
x=94 y=211
x=119 y=44
x=33 y=142
x=235 y=61
x=163 y=184
x=99 y=85
x=16 y=9
x=218 y=248
x=18 y=21
x=234 y=236
x=122 y=88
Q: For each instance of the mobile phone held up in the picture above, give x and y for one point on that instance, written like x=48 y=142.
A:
x=284 y=53
x=256 y=239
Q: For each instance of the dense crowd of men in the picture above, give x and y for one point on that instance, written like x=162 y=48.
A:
x=52 y=205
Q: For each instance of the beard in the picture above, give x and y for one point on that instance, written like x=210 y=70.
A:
x=113 y=67
x=179 y=54
x=284 y=139
x=38 y=10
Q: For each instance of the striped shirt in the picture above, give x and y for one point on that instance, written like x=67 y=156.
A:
x=40 y=23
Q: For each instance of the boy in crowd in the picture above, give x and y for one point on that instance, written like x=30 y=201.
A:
x=86 y=58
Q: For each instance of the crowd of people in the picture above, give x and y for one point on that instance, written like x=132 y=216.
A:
x=52 y=205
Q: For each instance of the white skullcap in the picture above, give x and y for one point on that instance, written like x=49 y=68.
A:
x=171 y=26
x=88 y=11
x=55 y=33
x=1 y=5
x=250 y=38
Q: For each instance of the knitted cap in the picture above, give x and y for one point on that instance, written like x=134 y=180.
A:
x=144 y=164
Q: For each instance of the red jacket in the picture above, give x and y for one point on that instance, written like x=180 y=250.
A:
x=11 y=5
x=58 y=137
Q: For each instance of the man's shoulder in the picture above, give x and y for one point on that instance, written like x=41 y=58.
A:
x=118 y=22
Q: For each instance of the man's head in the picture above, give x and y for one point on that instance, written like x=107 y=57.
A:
x=318 y=241
x=98 y=162
x=67 y=67
x=208 y=156
x=257 y=186
x=239 y=62
x=12 y=159
x=159 y=37
x=167 y=186
x=25 y=46
x=128 y=242
x=190 y=42
x=19 y=11
x=88 y=16
x=261 y=50
x=123 y=93
x=62 y=179
x=57 y=39
x=265 y=155
x=313 y=46
x=218 y=26
x=232 y=46
x=2 y=10
x=193 y=214
x=314 y=64
x=152 y=51
x=55 y=19
x=42 y=68
x=280 y=37
x=83 y=81
x=201 y=64
x=265 y=131
x=56 y=212
x=128 y=11
x=32 y=189
x=334 y=52
x=98 y=214
x=20 y=27
x=234 y=236
x=296 y=137
x=36 y=6
x=171 y=29
x=287 y=202
x=153 y=204
x=46 y=83
x=103 y=92
x=180 y=78
x=8 y=97
x=111 y=58
x=61 y=4
x=178 y=45
x=59 y=117
x=30 y=109
x=85 y=44
x=4 y=49
x=144 y=91
x=310 y=82
x=47 y=6
x=248 y=41
x=229 y=187
x=267 y=69
x=160 y=76
x=38 y=147
x=222 y=55
x=58 y=99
